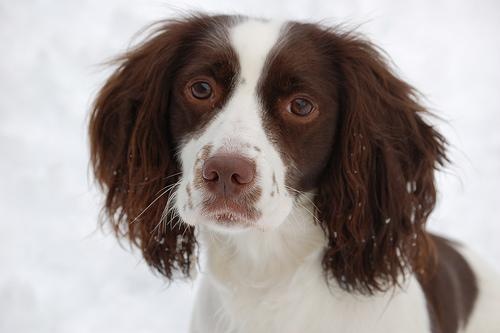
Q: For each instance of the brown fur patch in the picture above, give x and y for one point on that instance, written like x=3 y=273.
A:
x=450 y=287
x=365 y=140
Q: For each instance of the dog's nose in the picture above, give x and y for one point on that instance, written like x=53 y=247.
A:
x=228 y=174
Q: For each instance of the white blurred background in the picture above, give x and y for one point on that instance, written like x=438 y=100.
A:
x=60 y=273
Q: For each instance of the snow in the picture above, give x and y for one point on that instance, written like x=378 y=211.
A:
x=60 y=273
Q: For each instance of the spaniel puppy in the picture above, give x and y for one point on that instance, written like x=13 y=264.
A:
x=300 y=164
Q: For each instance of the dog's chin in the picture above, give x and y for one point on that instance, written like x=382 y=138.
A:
x=224 y=221
x=231 y=222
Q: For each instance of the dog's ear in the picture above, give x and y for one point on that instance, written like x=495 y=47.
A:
x=131 y=153
x=378 y=190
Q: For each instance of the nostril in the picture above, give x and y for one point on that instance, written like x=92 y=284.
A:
x=242 y=178
x=211 y=176
x=209 y=172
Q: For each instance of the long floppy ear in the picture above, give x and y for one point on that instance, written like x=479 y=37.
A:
x=378 y=190
x=131 y=154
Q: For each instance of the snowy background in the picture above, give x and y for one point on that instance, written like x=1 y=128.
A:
x=60 y=273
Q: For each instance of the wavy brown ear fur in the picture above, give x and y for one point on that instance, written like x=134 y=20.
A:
x=131 y=154
x=378 y=190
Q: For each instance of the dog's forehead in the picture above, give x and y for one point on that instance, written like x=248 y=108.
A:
x=239 y=122
x=253 y=41
x=240 y=119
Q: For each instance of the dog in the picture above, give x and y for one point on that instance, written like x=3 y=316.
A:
x=303 y=168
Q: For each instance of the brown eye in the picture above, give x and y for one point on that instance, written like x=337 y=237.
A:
x=201 y=90
x=301 y=107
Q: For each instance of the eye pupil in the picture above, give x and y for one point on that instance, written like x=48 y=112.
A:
x=201 y=90
x=301 y=107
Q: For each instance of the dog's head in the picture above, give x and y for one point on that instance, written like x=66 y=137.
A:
x=227 y=122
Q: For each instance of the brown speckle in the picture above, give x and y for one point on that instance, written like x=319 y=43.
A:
x=205 y=151
x=275 y=183
x=202 y=157
x=190 y=199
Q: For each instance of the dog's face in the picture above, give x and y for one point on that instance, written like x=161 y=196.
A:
x=229 y=122
x=254 y=120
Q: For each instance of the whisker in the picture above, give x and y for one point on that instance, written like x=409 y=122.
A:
x=186 y=228
x=168 y=186
x=158 y=178
x=302 y=195
x=309 y=212
x=161 y=226
x=145 y=209
x=159 y=194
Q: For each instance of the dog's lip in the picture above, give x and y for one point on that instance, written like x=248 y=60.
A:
x=229 y=211
x=227 y=217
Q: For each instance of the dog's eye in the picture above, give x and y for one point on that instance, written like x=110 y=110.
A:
x=301 y=107
x=201 y=90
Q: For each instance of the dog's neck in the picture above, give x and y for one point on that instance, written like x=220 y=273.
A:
x=258 y=258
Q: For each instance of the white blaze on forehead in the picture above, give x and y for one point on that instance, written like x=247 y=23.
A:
x=253 y=40
x=239 y=123
x=240 y=120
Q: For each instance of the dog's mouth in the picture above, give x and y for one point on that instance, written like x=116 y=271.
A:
x=228 y=212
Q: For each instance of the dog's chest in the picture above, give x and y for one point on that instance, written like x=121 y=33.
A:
x=304 y=303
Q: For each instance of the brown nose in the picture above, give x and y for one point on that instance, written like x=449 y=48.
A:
x=228 y=174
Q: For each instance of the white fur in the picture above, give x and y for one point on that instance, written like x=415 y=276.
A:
x=273 y=281
x=269 y=278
